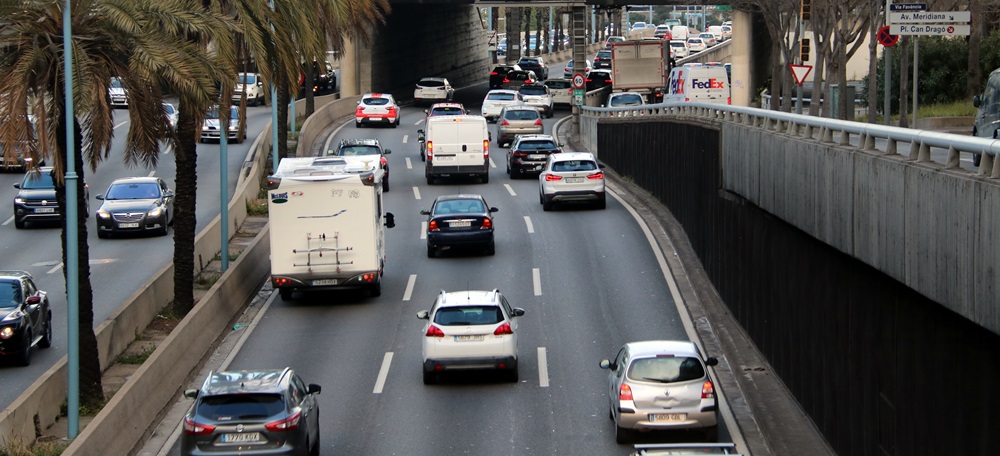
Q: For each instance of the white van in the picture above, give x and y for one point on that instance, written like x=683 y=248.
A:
x=457 y=146
x=680 y=32
x=987 y=121
x=698 y=83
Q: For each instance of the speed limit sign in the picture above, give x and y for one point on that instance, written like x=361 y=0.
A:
x=578 y=81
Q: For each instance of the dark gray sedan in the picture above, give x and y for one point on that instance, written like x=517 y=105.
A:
x=135 y=205
x=459 y=221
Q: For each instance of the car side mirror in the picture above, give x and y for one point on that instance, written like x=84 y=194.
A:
x=32 y=300
x=976 y=101
x=260 y=84
x=518 y=311
x=100 y=197
x=191 y=393
x=711 y=361
x=601 y=165
x=314 y=388
x=387 y=151
x=493 y=209
x=605 y=364
x=359 y=103
x=18 y=185
x=390 y=220
x=426 y=112
x=425 y=212
x=169 y=194
x=423 y=314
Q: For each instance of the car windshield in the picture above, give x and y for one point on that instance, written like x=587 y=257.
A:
x=630 y=99
x=533 y=90
x=468 y=315
x=247 y=79
x=574 y=165
x=228 y=407
x=38 y=181
x=430 y=83
x=145 y=190
x=521 y=114
x=358 y=150
x=500 y=96
x=459 y=206
x=116 y=83
x=10 y=294
x=376 y=101
x=213 y=113
x=666 y=369
x=536 y=145
x=557 y=84
x=447 y=111
x=169 y=108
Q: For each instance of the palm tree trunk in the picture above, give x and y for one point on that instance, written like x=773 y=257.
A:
x=91 y=392
x=185 y=189
x=310 y=81
x=282 y=118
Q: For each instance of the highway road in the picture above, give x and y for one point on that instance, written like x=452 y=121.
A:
x=118 y=266
x=588 y=281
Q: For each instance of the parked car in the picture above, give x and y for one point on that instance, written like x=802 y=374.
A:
x=36 y=198
x=602 y=59
x=623 y=99
x=247 y=412
x=25 y=316
x=661 y=385
x=528 y=154
x=708 y=38
x=252 y=85
x=211 y=127
x=364 y=151
x=537 y=96
x=431 y=90
x=518 y=120
x=536 y=64
x=696 y=44
x=377 y=109
x=561 y=91
x=568 y=69
x=117 y=94
x=135 y=205
x=678 y=49
x=471 y=329
x=571 y=177
x=515 y=79
x=598 y=79
x=498 y=99
x=460 y=221
x=498 y=74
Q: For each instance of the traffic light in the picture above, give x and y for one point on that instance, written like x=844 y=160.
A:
x=804 y=49
x=806 y=9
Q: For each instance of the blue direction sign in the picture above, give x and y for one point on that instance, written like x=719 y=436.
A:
x=908 y=7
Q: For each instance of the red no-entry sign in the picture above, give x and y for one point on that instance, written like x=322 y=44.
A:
x=885 y=38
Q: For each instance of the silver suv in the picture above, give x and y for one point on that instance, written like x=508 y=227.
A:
x=518 y=120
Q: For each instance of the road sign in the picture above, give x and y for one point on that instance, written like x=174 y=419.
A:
x=885 y=38
x=908 y=7
x=578 y=97
x=578 y=81
x=930 y=17
x=799 y=72
x=492 y=43
x=929 y=29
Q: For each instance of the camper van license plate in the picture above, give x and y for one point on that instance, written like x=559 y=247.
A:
x=324 y=282
x=128 y=225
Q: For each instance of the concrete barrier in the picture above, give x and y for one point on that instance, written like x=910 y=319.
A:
x=317 y=123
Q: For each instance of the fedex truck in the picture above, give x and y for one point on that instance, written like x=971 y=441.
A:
x=698 y=83
x=327 y=225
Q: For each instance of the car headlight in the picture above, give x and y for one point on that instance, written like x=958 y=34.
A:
x=104 y=214
x=234 y=127
x=7 y=332
x=18 y=200
x=154 y=212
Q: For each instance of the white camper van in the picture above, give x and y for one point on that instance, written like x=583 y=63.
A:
x=327 y=225
x=456 y=146
x=698 y=83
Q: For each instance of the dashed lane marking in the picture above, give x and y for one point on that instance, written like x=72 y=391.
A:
x=405 y=137
x=543 y=368
x=536 y=279
x=383 y=373
x=510 y=189
x=409 y=287
x=423 y=230
x=416 y=193
x=409 y=165
x=527 y=222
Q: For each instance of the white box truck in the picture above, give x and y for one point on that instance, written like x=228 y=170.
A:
x=640 y=66
x=327 y=225
x=700 y=83
x=456 y=146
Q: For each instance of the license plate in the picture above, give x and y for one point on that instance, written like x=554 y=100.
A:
x=574 y=180
x=459 y=223
x=444 y=157
x=325 y=282
x=241 y=437
x=667 y=417
x=536 y=157
x=472 y=338
x=45 y=210
x=128 y=225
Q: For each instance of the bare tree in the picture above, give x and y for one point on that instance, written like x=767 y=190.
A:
x=874 y=10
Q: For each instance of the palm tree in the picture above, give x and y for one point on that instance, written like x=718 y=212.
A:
x=135 y=41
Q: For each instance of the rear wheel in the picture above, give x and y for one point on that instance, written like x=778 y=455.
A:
x=712 y=434
x=357 y=124
x=375 y=290
x=24 y=356
x=485 y=178
x=622 y=435
x=546 y=204
x=512 y=375
x=430 y=377
x=46 y=341
x=491 y=248
x=430 y=180
x=385 y=184
x=285 y=293
x=602 y=202
x=431 y=252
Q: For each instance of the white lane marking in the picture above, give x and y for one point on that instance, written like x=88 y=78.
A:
x=531 y=227
x=423 y=230
x=405 y=137
x=383 y=373
x=492 y=164
x=510 y=189
x=536 y=279
x=543 y=368
x=151 y=173
x=409 y=165
x=419 y=122
x=58 y=266
x=55 y=268
x=123 y=123
x=416 y=193
x=11 y=219
x=409 y=287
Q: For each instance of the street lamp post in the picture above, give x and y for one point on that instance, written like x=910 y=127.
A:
x=72 y=236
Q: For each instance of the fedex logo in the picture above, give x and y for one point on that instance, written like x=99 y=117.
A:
x=677 y=85
x=709 y=84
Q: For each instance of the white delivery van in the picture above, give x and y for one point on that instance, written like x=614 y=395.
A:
x=698 y=83
x=327 y=226
x=457 y=146
x=680 y=32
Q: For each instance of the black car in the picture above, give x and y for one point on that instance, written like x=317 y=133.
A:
x=362 y=148
x=324 y=77
x=602 y=59
x=597 y=79
x=459 y=221
x=536 y=64
x=36 y=198
x=528 y=154
x=135 y=205
x=268 y=411
x=25 y=316
x=499 y=72
x=517 y=78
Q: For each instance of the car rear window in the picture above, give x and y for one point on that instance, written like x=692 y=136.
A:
x=376 y=101
x=666 y=369
x=627 y=100
x=10 y=294
x=468 y=315
x=503 y=69
x=536 y=145
x=240 y=406
x=528 y=62
x=37 y=181
x=459 y=206
x=574 y=165
x=677 y=44
x=447 y=111
x=354 y=151
x=533 y=90
x=430 y=83
x=518 y=75
x=500 y=96
x=604 y=54
x=557 y=84
x=521 y=114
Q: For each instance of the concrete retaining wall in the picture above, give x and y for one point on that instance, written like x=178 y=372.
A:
x=324 y=116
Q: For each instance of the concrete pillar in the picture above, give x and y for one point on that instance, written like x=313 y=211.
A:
x=513 y=34
x=578 y=39
x=742 y=47
x=349 y=70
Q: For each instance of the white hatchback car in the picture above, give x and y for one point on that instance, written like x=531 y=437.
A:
x=498 y=99
x=433 y=90
x=561 y=91
x=571 y=176
x=678 y=49
x=377 y=108
x=696 y=44
x=471 y=329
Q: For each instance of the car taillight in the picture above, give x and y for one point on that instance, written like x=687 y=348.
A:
x=503 y=329
x=486 y=148
x=552 y=177
x=288 y=424
x=359 y=111
x=520 y=154
x=383 y=161
x=434 y=331
x=596 y=176
x=607 y=81
x=504 y=122
x=487 y=224
x=392 y=109
x=625 y=393
x=538 y=123
x=430 y=149
x=432 y=226
x=506 y=79
x=192 y=427
x=588 y=80
x=729 y=100
x=566 y=69
x=494 y=73
x=529 y=81
x=708 y=391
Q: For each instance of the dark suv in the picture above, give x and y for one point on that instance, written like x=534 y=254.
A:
x=528 y=154
x=499 y=72
x=536 y=64
x=517 y=78
x=25 y=316
x=252 y=412
x=602 y=59
x=362 y=148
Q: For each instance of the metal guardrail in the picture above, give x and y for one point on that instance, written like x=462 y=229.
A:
x=807 y=127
